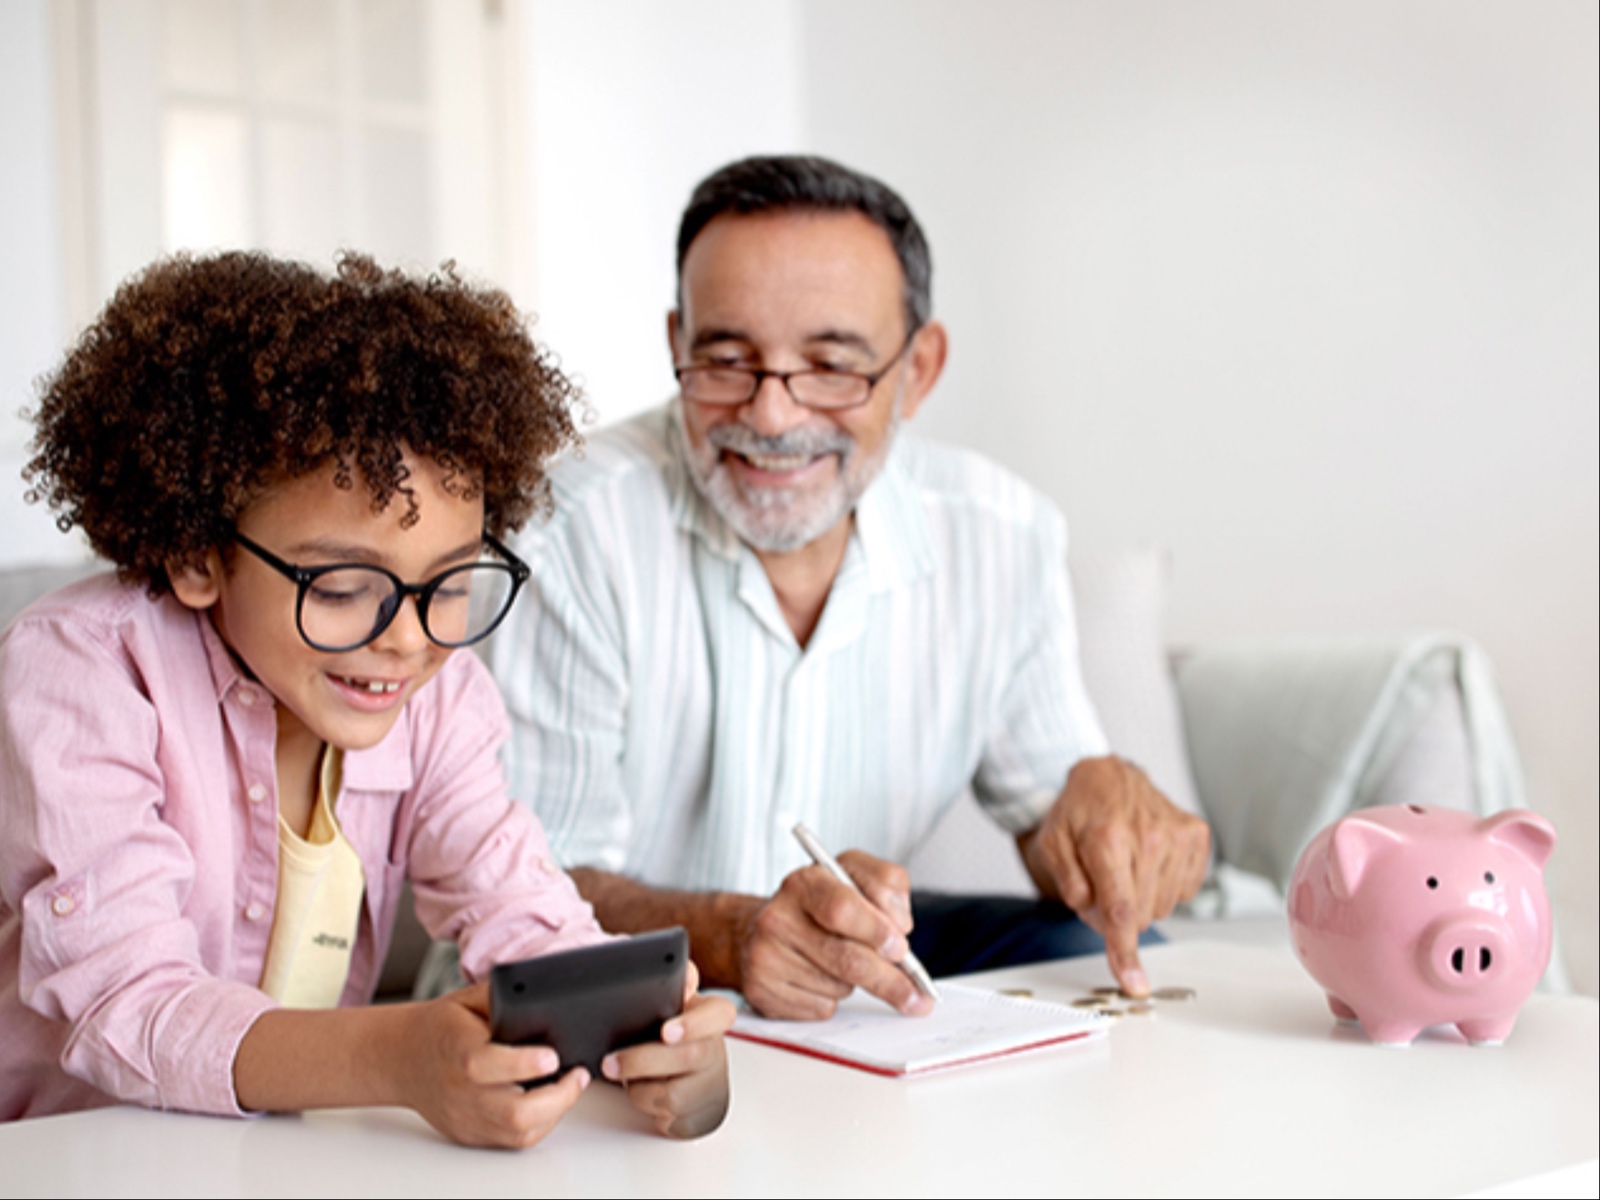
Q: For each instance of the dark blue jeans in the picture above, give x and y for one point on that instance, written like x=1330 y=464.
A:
x=957 y=934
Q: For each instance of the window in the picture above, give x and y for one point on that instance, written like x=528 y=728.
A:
x=296 y=126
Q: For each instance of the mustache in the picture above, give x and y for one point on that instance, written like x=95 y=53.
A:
x=811 y=442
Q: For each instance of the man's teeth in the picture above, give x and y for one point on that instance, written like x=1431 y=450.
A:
x=777 y=463
x=376 y=686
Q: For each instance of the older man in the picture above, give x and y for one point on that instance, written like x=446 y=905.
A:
x=766 y=604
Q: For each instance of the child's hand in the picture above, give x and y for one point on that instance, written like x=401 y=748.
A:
x=680 y=1082
x=467 y=1086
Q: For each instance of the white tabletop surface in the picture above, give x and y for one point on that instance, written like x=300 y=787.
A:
x=1251 y=1089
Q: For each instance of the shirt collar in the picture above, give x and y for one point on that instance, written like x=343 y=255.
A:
x=386 y=767
x=225 y=673
x=892 y=524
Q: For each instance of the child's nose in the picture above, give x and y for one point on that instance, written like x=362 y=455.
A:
x=404 y=634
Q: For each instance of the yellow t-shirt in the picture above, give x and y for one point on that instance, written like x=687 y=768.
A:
x=320 y=884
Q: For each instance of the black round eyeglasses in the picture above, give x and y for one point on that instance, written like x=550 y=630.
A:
x=343 y=606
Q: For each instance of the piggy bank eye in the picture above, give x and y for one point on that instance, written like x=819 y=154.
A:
x=1433 y=882
x=1488 y=876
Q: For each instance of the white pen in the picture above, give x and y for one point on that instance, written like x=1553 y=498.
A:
x=820 y=856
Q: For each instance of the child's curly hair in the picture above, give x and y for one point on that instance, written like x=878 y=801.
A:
x=206 y=380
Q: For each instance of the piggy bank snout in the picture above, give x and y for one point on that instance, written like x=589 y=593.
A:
x=1466 y=953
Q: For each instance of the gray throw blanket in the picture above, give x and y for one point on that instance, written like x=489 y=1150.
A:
x=1288 y=735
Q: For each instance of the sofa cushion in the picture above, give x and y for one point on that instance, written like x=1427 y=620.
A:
x=21 y=586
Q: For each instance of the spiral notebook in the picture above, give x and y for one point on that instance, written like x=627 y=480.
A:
x=968 y=1025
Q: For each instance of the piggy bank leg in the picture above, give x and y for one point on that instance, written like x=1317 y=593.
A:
x=1393 y=1034
x=1487 y=1031
x=1342 y=1011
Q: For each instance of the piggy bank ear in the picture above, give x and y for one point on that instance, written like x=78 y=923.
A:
x=1527 y=833
x=1356 y=842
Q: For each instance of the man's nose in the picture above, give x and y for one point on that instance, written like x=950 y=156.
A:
x=772 y=410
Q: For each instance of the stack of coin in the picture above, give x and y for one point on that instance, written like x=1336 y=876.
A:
x=1105 y=1000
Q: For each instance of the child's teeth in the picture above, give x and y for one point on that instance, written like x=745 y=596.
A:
x=375 y=685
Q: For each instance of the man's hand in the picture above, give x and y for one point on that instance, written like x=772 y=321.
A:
x=1119 y=854
x=680 y=1082
x=795 y=954
x=802 y=951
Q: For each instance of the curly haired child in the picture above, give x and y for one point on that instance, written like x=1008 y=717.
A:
x=219 y=765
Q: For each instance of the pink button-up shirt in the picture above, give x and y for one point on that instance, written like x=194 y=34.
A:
x=139 y=849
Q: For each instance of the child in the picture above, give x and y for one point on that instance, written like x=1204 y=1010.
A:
x=218 y=767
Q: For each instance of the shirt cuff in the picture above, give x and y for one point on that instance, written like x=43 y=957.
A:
x=1022 y=812
x=196 y=1059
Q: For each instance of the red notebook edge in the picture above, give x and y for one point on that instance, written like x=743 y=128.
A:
x=890 y=1073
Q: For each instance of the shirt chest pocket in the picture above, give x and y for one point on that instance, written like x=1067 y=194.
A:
x=371 y=824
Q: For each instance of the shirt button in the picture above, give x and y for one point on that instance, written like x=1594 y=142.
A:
x=63 y=905
x=247 y=697
x=254 y=911
x=257 y=793
x=548 y=867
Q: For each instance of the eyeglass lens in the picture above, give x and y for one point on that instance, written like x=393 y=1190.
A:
x=346 y=608
x=735 y=385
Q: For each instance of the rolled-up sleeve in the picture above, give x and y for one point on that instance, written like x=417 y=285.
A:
x=97 y=881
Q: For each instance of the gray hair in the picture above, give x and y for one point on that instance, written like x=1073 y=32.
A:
x=806 y=183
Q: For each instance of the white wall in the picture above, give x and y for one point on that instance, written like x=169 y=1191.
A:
x=630 y=104
x=1306 y=292
x=32 y=326
x=626 y=104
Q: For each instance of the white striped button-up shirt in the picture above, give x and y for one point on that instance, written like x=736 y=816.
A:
x=667 y=725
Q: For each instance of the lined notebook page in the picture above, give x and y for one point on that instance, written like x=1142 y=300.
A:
x=967 y=1025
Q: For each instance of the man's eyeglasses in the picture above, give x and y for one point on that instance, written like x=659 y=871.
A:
x=813 y=387
x=346 y=605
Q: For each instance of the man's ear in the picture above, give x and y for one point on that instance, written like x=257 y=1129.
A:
x=197 y=586
x=672 y=335
x=926 y=364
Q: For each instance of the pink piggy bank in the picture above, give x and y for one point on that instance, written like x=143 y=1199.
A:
x=1410 y=916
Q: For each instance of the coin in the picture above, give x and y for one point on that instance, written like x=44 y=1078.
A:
x=1091 y=1002
x=1108 y=991
x=1141 y=1009
x=1020 y=993
x=1174 y=993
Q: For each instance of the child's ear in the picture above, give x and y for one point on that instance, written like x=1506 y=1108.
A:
x=197 y=586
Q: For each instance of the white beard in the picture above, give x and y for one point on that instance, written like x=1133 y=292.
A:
x=776 y=519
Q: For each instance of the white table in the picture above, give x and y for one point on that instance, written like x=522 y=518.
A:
x=1249 y=1090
